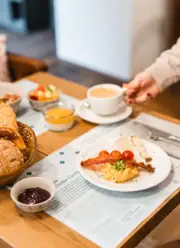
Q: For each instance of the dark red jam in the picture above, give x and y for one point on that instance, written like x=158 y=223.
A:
x=33 y=196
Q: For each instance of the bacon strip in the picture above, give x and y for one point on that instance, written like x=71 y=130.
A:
x=98 y=160
x=148 y=167
x=102 y=158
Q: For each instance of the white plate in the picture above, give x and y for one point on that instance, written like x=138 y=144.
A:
x=160 y=162
x=88 y=115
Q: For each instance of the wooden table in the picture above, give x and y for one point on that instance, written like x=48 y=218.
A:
x=41 y=230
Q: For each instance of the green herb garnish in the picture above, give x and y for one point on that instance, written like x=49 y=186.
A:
x=29 y=173
x=119 y=165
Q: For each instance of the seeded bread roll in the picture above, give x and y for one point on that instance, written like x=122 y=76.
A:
x=9 y=127
x=11 y=159
x=8 y=123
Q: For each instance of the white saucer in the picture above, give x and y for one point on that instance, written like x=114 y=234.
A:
x=88 y=115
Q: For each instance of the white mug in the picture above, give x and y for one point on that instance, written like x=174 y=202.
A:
x=109 y=105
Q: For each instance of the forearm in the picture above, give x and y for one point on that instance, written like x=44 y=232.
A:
x=166 y=69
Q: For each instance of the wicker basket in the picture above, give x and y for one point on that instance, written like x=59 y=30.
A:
x=29 y=138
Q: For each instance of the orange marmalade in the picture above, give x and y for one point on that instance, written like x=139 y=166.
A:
x=59 y=119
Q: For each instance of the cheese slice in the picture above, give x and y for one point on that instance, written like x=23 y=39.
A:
x=124 y=143
x=138 y=145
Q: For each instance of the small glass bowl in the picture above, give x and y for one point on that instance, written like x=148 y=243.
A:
x=59 y=117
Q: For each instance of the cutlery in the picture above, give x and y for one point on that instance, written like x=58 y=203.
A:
x=157 y=134
x=143 y=132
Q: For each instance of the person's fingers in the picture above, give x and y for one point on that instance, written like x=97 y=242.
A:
x=139 y=87
x=129 y=101
x=144 y=84
x=149 y=98
x=131 y=93
x=142 y=98
x=148 y=94
x=129 y=90
x=147 y=83
x=135 y=83
x=136 y=86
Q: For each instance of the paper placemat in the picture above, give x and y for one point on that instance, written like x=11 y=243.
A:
x=104 y=217
x=28 y=115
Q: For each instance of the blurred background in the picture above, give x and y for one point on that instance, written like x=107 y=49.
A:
x=91 y=41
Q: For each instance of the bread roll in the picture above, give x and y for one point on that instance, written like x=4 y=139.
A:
x=8 y=123
x=9 y=127
x=11 y=159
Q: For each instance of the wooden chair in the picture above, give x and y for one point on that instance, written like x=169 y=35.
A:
x=22 y=66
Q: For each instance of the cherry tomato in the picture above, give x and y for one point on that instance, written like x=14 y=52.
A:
x=128 y=155
x=116 y=154
x=104 y=153
x=41 y=88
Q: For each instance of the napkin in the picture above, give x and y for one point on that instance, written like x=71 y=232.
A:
x=171 y=149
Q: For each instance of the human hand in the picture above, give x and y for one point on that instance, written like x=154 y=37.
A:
x=141 y=89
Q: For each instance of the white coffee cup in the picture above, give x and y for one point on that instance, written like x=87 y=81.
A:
x=106 y=105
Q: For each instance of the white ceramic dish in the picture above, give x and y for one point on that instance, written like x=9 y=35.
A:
x=10 y=88
x=87 y=114
x=41 y=105
x=109 y=105
x=160 y=161
x=32 y=182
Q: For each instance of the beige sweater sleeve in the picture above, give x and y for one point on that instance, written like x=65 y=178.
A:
x=166 y=69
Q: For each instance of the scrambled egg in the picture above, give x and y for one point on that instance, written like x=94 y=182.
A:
x=118 y=176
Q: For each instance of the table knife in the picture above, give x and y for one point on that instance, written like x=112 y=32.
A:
x=159 y=133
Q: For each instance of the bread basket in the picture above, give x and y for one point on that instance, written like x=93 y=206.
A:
x=29 y=138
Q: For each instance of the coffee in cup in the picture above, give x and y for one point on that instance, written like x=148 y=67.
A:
x=105 y=99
